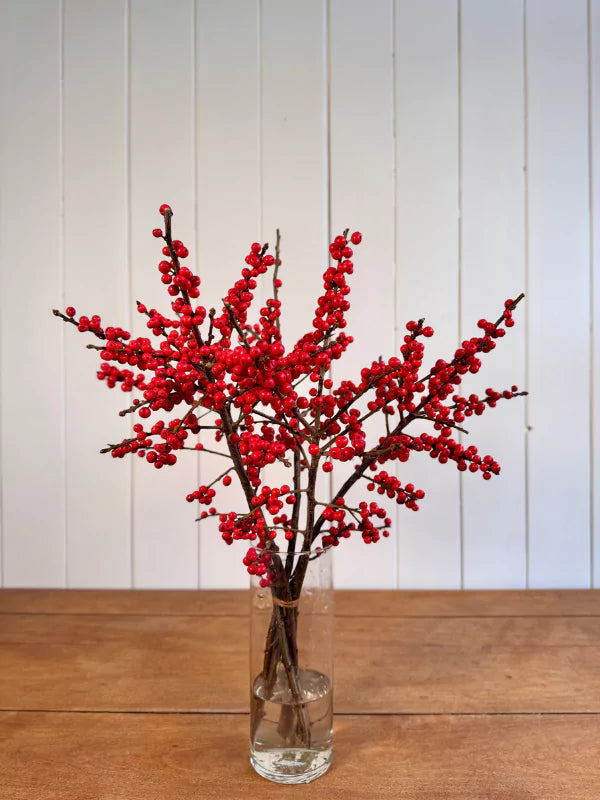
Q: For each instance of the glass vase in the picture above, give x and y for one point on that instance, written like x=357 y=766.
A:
x=291 y=668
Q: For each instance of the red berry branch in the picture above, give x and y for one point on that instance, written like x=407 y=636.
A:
x=217 y=371
x=244 y=384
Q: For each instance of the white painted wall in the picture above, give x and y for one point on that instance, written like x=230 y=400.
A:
x=461 y=137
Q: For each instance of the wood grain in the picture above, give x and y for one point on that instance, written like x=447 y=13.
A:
x=227 y=77
x=594 y=55
x=131 y=757
x=33 y=533
x=165 y=538
x=427 y=264
x=98 y=546
x=347 y=603
x=429 y=701
x=361 y=187
x=410 y=664
x=293 y=171
x=558 y=277
x=492 y=220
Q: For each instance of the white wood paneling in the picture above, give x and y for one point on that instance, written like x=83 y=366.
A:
x=165 y=550
x=293 y=152
x=426 y=74
x=559 y=285
x=227 y=74
x=96 y=281
x=412 y=121
x=362 y=191
x=33 y=448
x=294 y=164
x=594 y=132
x=493 y=269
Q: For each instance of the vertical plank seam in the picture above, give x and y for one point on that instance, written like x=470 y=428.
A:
x=62 y=276
x=459 y=254
x=196 y=236
x=395 y=254
x=592 y=288
x=259 y=126
x=326 y=127
x=129 y=312
x=326 y=165
x=259 y=134
x=526 y=264
x=3 y=149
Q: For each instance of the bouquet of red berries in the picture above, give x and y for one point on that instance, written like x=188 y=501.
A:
x=219 y=369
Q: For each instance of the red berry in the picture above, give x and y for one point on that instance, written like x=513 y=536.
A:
x=215 y=369
x=164 y=208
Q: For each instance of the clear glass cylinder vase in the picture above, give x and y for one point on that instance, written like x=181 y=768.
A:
x=291 y=668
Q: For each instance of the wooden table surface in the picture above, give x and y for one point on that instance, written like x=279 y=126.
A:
x=122 y=695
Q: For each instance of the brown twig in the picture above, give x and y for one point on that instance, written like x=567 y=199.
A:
x=236 y=324
x=64 y=317
x=276 y=271
x=168 y=215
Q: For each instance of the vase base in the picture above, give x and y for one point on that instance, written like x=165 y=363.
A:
x=291 y=765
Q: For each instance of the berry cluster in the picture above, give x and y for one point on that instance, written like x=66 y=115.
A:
x=366 y=516
x=263 y=402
